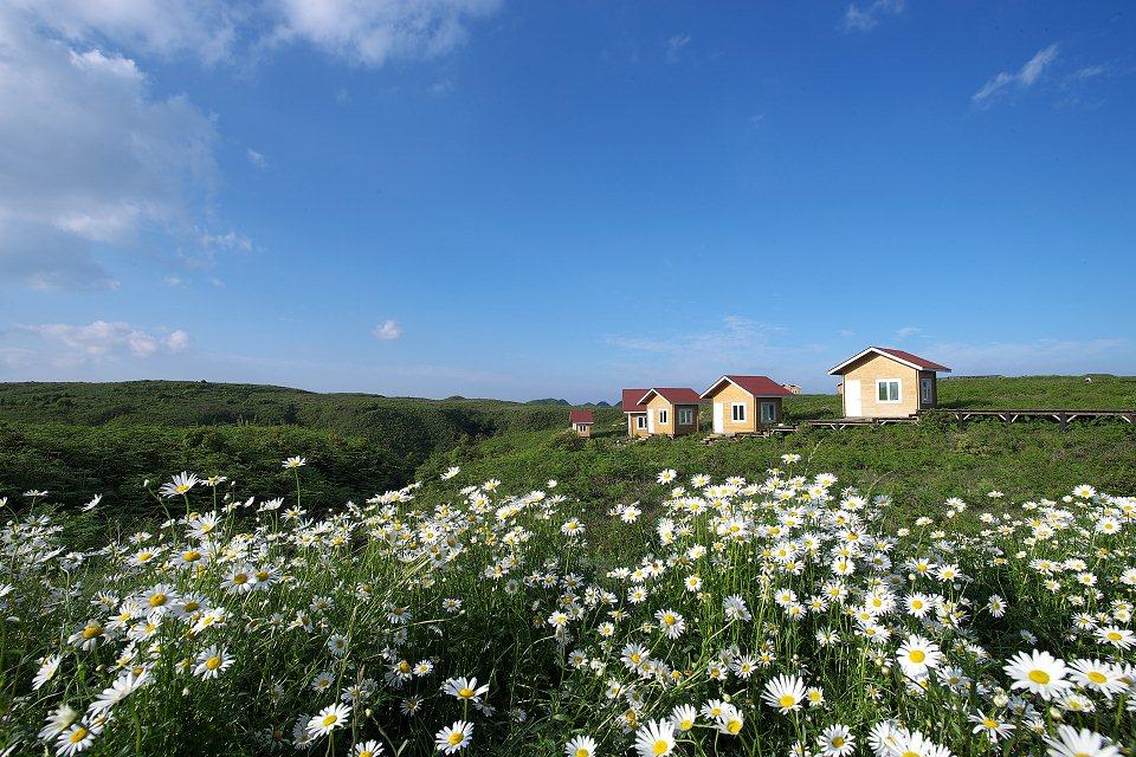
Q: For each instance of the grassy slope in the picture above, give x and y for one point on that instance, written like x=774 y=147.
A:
x=1017 y=392
x=78 y=439
x=920 y=466
x=81 y=439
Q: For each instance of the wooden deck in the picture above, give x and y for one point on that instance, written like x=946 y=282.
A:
x=1061 y=416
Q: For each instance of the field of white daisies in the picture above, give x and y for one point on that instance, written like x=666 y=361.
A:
x=775 y=613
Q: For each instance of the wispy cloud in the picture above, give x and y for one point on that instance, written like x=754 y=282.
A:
x=1024 y=78
x=675 y=46
x=862 y=18
x=1061 y=356
x=66 y=343
x=256 y=158
x=735 y=344
x=387 y=331
x=908 y=331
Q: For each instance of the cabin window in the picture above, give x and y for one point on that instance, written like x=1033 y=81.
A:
x=887 y=390
x=641 y=421
x=662 y=416
x=926 y=390
x=738 y=412
x=768 y=412
x=686 y=416
x=581 y=427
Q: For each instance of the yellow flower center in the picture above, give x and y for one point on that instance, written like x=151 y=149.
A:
x=838 y=741
x=662 y=746
x=990 y=723
x=77 y=735
x=917 y=656
x=91 y=631
x=909 y=753
x=192 y=606
x=214 y=662
x=455 y=738
x=191 y=555
x=240 y=579
x=1039 y=676
x=465 y=693
x=734 y=726
x=1114 y=636
x=786 y=701
x=158 y=600
x=262 y=575
x=330 y=720
x=366 y=753
x=1097 y=677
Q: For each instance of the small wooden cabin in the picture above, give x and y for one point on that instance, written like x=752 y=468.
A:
x=671 y=411
x=745 y=404
x=581 y=422
x=635 y=413
x=883 y=382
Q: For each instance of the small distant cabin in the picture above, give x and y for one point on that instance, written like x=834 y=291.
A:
x=635 y=413
x=883 y=382
x=671 y=411
x=793 y=388
x=581 y=422
x=745 y=404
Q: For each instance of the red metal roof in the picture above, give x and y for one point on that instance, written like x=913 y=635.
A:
x=580 y=416
x=902 y=356
x=922 y=362
x=758 y=386
x=630 y=402
x=676 y=395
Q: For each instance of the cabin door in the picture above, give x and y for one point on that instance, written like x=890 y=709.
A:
x=719 y=418
x=852 y=407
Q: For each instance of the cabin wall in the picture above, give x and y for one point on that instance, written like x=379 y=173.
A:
x=632 y=430
x=874 y=367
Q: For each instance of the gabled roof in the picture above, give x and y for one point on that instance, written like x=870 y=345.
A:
x=758 y=386
x=630 y=402
x=676 y=395
x=902 y=356
x=580 y=416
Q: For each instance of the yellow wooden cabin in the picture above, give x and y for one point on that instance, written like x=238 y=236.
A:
x=883 y=382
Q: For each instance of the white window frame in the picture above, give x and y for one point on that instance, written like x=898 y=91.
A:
x=581 y=426
x=898 y=391
x=929 y=385
x=772 y=411
x=686 y=416
x=735 y=416
x=663 y=415
x=641 y=421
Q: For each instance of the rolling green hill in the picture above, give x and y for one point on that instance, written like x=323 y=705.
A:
x=78 y=439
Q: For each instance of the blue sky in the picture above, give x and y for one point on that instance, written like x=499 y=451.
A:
x=539 y=199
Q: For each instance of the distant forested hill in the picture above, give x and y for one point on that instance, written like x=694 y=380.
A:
x=83 y=438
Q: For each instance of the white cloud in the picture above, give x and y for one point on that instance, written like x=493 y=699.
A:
x=387 y=331
x=371 y=32
x=908 y=331
x=106 y=339
x=675 y=46
x=89 y=159
x=206 y=29
x=256 y=158
x=866 y=18
x=1024 y=78
x=1042 y=356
